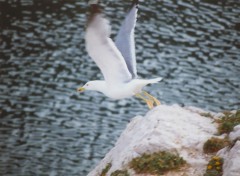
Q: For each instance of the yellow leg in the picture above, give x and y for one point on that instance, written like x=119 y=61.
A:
x=149 y=102
x=152 y=97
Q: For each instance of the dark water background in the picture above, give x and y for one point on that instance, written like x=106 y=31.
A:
x=47 y=128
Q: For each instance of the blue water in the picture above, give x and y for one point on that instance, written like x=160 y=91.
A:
x=47 y=128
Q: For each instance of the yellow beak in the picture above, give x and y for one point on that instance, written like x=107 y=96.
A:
x=80 y=89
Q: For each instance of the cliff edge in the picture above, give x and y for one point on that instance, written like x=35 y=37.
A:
x=171 y=132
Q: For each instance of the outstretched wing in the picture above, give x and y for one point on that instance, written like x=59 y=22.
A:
x=103 y=50
x=125 y=39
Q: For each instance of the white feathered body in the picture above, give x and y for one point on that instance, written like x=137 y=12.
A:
x=126 y=90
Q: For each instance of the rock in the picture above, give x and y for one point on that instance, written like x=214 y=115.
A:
x=165 y=128
x=231 y=165
x=235 y=134
x=231 y=155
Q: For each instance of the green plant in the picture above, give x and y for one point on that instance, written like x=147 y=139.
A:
x=214 y=144
x=228 y=122
x=120 y=173
x=106 y=169
x=214 y=167
x=157 y=163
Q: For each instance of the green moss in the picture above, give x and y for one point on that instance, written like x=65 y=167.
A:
x=214 y=167
x=157 y=163
x=120 y=173
x=214 y=144
x=228 y=122
x=106 y=169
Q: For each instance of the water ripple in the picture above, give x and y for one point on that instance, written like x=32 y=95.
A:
x=47 y=128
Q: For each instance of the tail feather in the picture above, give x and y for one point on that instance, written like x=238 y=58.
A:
x=155 y=80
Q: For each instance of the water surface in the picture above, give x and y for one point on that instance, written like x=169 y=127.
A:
x=47 y=128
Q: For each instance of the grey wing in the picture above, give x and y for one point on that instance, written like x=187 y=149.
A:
x=125 y=39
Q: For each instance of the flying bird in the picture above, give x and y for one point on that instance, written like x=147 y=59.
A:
x=117 y=61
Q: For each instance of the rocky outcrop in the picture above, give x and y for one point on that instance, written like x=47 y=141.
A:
x=231 y=154
x=168 y=128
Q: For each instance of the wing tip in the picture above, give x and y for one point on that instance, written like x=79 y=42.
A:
x=156 y=80
x=94 y=9
x=135 y=3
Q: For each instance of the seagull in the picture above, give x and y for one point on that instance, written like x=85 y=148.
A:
x=117 y=61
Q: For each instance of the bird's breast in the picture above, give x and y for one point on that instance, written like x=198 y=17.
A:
x=122 y=91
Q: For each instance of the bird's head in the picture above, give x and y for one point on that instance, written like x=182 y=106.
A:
x=91 y=85
x=87 y=86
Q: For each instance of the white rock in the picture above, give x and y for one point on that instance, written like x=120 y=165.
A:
x=235 y=133
x=231 y=165
x=231 y=156
x=165 y=128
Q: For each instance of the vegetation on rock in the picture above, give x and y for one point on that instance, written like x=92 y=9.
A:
x=228 y=122
x=214 y=167
x=207 y=114
x=106 y=169
x=120 y=173
x=157 y=163
x=214 y=144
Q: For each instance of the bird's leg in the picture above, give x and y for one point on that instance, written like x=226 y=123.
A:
x=152 y=98
x=149 y=102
